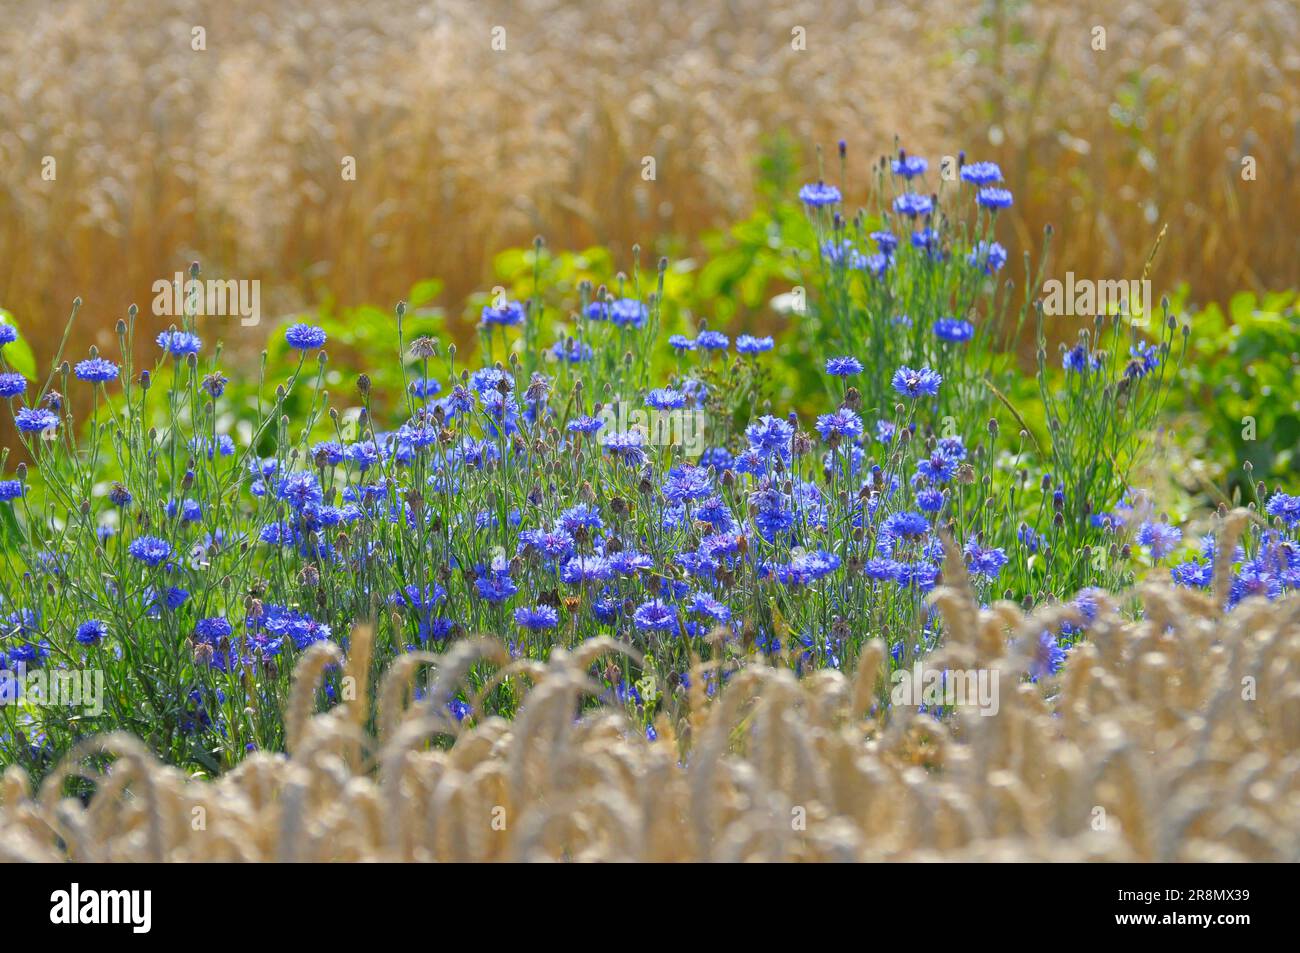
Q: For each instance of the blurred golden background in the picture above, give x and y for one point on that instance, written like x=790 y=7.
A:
x=232 y=154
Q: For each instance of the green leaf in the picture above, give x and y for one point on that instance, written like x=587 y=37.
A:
x=19 y=353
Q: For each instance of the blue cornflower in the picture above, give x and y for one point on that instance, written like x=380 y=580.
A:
x=719 y=458
x=712 y=341
x=365 y=454
x=1078 y=360
x=989 y=257
x=426 y=387
x=495 y=586
x=715 y=512
x=585 y=424
x=844 y=424
x=572 y=351
x=1145 y=358
x=29 y=653
x=191 y=511
x=97 y=370
x=621 y=312
x=629 y=562
x=702 y=603
x=459 y=402
x=845 y=458
x=1253 y=579
x=994 y=198
x=770 y=436
x=413 y=597
x=459 y=708
x=509 y=314
x=8 y=333
x=985 y=561
x=686 y=482
x=875 y=265
x=627 y=447
x=885 y=431
x=490 y=380
x=655 y=616
x=930 y=500
x=537 y=618
x=150 y=550
x=36 y=419
x=579 y=516
x=772 y=514
x=327 y=452
x=842 y=253
x=304 y=337
x=212 y=630
x=911 y=204
x=981 y=173
x=1046 y=656
x=299 y=490
x=665 y=398
x=952 y=447
x=11 y=490
x=843 y=366
x=887 y=242
x=1029 y=538
x=916 y=383
x=921 y=576
x=953 y=330
x=502 y=412
x=905 y=524
x=802 y=570
x=817 y=194
x=173 y=599
x=12 y=385
x=696 y=391
x=938 y=467
x=680 y=342
x=925 y=239
x=748 y=344
x=881 y=570
x=92 y=632
x=179 y=343
x=1160 y=537
x=581 y=569
x=909 y=167
x=1284 y=507
x=1196 y=573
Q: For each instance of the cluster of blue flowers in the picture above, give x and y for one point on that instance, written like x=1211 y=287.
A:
x=493 y=506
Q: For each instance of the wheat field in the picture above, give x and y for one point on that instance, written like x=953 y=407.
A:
x=232 y=154
x=1173 y=739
